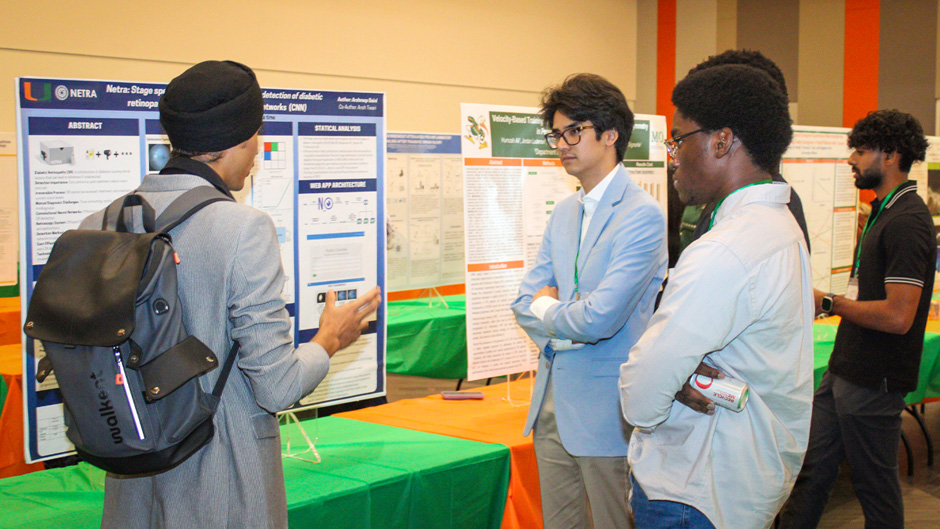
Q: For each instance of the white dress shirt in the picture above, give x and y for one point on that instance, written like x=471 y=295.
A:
x=589 y=201
x=741 y=298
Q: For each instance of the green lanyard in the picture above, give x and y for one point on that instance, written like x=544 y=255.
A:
x=711 y=222
x=872 y=218
x=578 y=253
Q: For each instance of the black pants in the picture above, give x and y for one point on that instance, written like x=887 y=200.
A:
x=861 y=425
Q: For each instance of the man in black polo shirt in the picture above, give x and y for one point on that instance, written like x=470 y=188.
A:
x=876 y=359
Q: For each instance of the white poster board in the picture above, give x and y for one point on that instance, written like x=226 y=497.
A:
x=319 y=174
x=424 y=199
x=9 y=236
x=816 y=166
x=646 y=156
x=512 y=181
x=927 y=175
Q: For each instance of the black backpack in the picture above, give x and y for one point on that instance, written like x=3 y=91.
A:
x=107 y=311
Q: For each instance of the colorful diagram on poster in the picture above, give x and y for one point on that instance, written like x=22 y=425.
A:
x=274 y=155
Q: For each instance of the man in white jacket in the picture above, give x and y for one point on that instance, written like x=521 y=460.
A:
x=739 y=299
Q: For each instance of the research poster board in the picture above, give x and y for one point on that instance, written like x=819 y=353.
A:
x=319 y=174
x=512 y=180
x=8 y=218
x=424 y=199
x=816 y=166
x=927 y=175
x=646 y=156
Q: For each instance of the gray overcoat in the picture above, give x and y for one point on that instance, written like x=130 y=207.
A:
x=230 y=279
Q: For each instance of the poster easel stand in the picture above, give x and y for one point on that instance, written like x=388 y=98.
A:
x=508 y=398
x=311 y=447
x=433 y=296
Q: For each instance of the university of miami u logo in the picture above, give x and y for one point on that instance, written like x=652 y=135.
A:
x=28 y=92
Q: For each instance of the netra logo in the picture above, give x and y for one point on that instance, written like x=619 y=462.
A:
x=28 y=92
x=62 y=92
x=33 y=92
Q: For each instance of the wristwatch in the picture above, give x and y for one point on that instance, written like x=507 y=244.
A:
x=827 y=303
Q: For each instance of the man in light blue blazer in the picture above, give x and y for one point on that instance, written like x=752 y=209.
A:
x=585 y=303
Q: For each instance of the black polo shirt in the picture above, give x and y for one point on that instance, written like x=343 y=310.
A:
x=900 y=247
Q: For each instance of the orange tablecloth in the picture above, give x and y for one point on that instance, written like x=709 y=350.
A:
x=491 y=420
x=9 y=321
x=12 y=458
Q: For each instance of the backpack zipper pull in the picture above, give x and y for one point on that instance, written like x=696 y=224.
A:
x=121 y=380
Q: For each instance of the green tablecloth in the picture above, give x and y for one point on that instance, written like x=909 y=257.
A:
x=371 y=477
x=428 y=341
x=928 y=388
x=432 y=342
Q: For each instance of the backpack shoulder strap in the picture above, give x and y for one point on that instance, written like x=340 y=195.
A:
x=186 y=205
x=111 y=213
x=226 y=369
x=130 y=207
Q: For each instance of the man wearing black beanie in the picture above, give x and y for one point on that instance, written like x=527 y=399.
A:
x=230 y=282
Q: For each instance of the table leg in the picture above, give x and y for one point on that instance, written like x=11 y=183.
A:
x=923 y=427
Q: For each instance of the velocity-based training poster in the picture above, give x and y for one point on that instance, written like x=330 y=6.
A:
x=512 y=181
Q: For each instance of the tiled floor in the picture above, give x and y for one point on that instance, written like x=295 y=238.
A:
x=921 y=491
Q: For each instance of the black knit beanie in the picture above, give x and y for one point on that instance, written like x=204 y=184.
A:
x=212 y=106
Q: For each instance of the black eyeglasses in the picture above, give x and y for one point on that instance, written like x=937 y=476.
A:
x=572 y=136
x=672 y=145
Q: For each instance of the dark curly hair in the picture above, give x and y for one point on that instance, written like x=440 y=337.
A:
x=751 y=58
x=744 y=99
x=590 y=97
x=891 y=131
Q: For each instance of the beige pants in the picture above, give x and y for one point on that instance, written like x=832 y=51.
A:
x=576 y=490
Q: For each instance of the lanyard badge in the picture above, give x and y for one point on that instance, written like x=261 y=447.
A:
x=851 y=291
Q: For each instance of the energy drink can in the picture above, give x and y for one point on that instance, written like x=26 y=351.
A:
x=725 y=392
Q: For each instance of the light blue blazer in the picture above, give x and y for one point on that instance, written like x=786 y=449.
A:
x=621 y=266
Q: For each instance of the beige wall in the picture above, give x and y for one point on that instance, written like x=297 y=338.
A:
x=727 y=25
x=821 y=56
x=646 y=49
x=696 y=33
x=765 y=25
x=907 y=47
x=427 y=55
